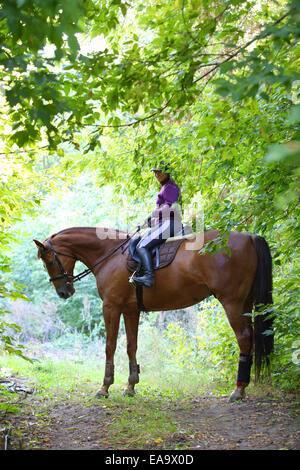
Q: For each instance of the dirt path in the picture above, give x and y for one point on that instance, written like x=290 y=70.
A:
x=207 y=423
x=250 y=425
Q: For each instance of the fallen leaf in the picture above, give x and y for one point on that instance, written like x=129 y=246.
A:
x=158 y=440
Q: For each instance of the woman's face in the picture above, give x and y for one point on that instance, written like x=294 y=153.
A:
x=160 y=176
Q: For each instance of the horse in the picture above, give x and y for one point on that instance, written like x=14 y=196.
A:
x=240 y=279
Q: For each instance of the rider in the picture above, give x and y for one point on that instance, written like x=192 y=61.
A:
x=164 y=222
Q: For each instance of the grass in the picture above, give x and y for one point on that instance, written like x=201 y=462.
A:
x=143 y=421
x=150 y=420
x=58 y=377
x=147 y=420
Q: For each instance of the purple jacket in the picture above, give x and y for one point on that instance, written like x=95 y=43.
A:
x=168 y=194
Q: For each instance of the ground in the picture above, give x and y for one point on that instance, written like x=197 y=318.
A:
x=205 y=422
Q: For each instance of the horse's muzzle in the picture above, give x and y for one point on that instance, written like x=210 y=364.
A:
x=65 y=291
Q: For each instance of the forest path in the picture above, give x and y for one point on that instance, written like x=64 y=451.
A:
x=198 y=423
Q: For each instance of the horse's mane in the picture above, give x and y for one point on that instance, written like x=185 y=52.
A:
x=85 y=228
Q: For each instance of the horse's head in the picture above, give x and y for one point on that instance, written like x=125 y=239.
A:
x=60 y=267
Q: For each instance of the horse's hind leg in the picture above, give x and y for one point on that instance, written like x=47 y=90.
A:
x=242 y=328
x=111 y=316
x=131 y=321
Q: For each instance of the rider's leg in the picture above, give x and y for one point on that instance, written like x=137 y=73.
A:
x=144 y=249
x=146 y=259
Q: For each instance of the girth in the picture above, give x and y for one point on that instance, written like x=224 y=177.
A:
x=162 y=255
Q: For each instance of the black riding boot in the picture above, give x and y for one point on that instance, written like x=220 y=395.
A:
x=148 y=277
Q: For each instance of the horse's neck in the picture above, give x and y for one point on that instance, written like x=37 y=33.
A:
x=89 y=244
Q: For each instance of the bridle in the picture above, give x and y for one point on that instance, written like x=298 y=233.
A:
x=63 y=273
x=69 y=277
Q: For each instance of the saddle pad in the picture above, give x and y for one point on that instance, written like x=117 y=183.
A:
x=167 y=253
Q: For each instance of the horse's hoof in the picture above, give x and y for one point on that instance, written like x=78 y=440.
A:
x=235 y=397
x=101 y=394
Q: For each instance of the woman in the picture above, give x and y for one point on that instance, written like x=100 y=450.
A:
x=165 y=222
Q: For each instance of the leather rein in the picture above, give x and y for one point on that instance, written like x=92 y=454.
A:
x=69 y=277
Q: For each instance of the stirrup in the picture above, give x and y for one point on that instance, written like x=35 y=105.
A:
x=131 y=279
x=140 y=280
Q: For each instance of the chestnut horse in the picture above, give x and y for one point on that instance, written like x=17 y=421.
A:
x=238 y=281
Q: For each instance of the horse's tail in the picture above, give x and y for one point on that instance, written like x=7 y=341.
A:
x=262 y=297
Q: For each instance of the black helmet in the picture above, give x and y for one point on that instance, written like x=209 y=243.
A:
x=161 y=166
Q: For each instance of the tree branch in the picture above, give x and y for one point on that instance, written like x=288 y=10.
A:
x=260 y=36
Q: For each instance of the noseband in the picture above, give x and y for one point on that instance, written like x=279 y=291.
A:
x=64 y=274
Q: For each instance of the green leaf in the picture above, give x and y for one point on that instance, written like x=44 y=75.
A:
x=289 y=153
x=227 y=250
x=73 y=44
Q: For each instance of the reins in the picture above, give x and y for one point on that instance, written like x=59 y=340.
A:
x=86 y=272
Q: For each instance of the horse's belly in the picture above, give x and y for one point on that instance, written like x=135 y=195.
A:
x=160 y=298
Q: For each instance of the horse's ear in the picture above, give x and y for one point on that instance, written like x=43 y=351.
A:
x=39 y=244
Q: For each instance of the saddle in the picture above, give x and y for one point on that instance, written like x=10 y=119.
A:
x=162 y=255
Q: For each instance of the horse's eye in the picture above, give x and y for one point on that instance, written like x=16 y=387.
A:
x=47 y=264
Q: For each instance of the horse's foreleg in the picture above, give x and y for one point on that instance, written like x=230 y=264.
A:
x=112 y=320
x=131 y=321
x=242 y=328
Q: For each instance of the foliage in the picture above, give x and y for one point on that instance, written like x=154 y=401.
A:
x=182 y=351
x=18 y=194
x=148 y=58
x=286 y=290
x=7 y=407
x=81 y=312
x=211 y=344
